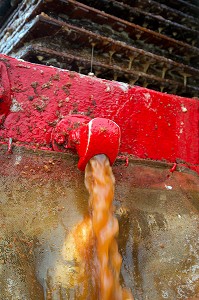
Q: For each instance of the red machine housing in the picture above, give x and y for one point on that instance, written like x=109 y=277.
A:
x=154 y=125
x=87 y=137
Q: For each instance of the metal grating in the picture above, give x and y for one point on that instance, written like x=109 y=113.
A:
x=146 y=43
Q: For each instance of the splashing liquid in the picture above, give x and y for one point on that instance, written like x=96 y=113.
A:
x=99 y=181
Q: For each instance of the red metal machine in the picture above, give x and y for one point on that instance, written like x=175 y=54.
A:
x=37 y=100
x=87 y=137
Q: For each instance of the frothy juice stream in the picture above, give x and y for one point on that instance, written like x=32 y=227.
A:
x=100 y=182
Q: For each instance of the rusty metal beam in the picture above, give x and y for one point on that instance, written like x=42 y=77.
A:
x=43 y=55
x=165 y=11
x=78 y=28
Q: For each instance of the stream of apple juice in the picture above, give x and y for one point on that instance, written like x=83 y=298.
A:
x=100 y=182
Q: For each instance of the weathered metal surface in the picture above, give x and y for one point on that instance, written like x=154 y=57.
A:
x=6 y=8
x=185 y=6
x=153 y=125
x=143 y=56
x=75 y=10
x=148 y=20
x=165 y=11
x=43 y=198
x=149 y=36
x=124 y=70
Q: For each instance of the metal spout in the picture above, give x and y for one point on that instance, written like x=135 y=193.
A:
x=87 y=138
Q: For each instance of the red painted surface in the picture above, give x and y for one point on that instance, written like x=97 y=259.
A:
x=5 y=92
x=153 y=125
x=87 y=137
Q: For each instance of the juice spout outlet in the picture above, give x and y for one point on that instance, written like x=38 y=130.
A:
x=87 y=137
